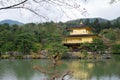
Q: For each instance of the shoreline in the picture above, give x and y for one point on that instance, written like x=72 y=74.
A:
x=95 y=56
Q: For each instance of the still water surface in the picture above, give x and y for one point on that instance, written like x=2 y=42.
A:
x=83 y=70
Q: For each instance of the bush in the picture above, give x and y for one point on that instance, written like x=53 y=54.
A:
x=116 y=48
x=6 y=56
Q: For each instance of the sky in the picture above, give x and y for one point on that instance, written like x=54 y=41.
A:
x=94 y=8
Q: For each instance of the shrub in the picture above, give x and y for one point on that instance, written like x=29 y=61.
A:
x=116 y=48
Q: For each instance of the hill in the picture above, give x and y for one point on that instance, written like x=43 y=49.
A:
x=116 y=20
x=91 y=20
x=85 y=20
x=11 y=22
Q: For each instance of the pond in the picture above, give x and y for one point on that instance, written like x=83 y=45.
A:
x=82 y=69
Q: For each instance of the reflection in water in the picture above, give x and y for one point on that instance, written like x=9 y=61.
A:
x=83 y=70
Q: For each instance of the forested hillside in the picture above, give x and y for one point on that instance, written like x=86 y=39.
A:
x=29 y=37
x=48 y=36
x=97 y=24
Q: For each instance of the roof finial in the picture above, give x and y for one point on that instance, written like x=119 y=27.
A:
x=81 y=23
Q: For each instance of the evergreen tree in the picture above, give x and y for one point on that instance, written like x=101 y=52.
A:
x=116 y=24
x=97 y=26
x=87 y=22
x=108 y=25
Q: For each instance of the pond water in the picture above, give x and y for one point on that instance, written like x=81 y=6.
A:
x=82 y=69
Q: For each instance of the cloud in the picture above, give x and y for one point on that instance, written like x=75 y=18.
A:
x=100 y=8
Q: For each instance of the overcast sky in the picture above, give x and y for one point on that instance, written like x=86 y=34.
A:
x=95 y=8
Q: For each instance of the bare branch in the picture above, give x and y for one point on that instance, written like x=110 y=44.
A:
x=40 y=69
x=14 y=5
x=38 y=7
x=113 y=1
x=65 y=74
x=46 y=18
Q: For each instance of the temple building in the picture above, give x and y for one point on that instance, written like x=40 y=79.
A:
x=77 y=35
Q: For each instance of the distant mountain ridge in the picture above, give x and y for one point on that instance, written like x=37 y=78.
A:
x=90 y=19
x=77 y=21
x=115 y=20
x=11 y=22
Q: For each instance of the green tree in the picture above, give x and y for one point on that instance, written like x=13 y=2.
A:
x=87 y=22
x=108 y=25
x=117 y=23
x=98 y=45
x=116 y=48
x=37 y=47
x=24 y=42
x=97 y=26
x=9 y=46
x=57 y=48
x=110 y=34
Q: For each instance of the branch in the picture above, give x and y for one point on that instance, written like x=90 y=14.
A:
x=40 y=69
x=59 y=4
x=113 y=1
x=67 y=73
x=14 y=5
x=46 y=18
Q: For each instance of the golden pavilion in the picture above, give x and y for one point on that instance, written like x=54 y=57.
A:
x=78 y=34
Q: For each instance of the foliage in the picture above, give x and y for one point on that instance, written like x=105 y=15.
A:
x=31 y=37
x=116 y=48
x=97 y=24
x=57 y=48
x=96 y=46
x=48 y=36
x=85 y=52
x=110 y=34
x=9 y=46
